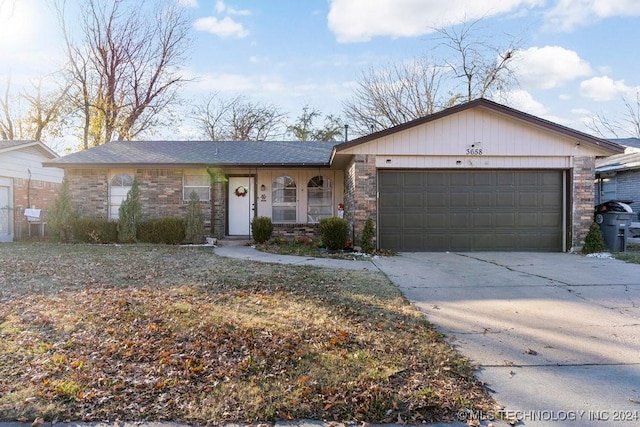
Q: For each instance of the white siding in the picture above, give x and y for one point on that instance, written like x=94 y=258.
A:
x=18 y=163
x=302 y=176
x=495 y=134
x=473 y=162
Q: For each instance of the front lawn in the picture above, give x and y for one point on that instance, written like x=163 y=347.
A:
x=135 y=332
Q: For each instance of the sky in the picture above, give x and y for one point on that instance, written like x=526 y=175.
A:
x=578 y=58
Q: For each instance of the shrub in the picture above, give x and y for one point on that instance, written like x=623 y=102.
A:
x=162 y=230
x=194 y=220
x=367 y=237
x=95 y=230
x=261 y=229
x=594 y=242
x=61 y=216
x=334 y=232
x=130 y=214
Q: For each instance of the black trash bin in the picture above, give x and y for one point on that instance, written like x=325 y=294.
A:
x=614 y=218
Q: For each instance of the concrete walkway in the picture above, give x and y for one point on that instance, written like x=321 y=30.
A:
x=557 y=335
x=247 y=252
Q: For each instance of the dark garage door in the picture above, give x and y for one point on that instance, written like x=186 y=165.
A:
x=471 y=211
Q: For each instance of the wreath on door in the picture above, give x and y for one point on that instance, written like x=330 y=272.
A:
x=241 y=191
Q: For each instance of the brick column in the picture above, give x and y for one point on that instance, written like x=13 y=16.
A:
x=360 y=194
x=218 y=209
x=583 y=199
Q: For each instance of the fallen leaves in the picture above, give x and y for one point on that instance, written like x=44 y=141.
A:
x=160 y=333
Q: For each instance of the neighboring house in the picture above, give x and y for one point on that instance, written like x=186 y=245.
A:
x=477 y=176
x=618 y=176
x=25 y=184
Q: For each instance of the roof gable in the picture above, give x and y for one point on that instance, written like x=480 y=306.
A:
x=600 y=145
x=6 y=146
x=201 y=153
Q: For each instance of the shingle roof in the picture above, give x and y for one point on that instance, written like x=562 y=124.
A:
x=627 y=142
x=198 y=153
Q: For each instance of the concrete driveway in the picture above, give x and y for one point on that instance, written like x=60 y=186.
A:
x=557 y=336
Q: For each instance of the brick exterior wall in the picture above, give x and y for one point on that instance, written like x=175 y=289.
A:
x=292 y=231
x=628 y=187
x=360 y=194
x=160 y=193
x=31 y=194
x=583 y=199
x=89 y=191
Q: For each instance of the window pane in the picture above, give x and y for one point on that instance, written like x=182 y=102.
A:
x=284 y=214
x=198 y=183
x=196 y=180
x=285 y=197
x=319 y=199
x=122 y=180
x=203 y=193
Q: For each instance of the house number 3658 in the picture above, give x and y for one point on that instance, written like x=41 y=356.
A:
x=474 y=151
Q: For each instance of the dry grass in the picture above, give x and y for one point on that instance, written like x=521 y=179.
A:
x=134 y=332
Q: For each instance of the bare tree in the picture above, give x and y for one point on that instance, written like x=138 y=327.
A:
x=238 y=119
x=124 y=65
x=6 y=117
x=398 y=93
x=33 y=112
x=482 y=65
x=628 y=126
x=46 y=109
x=305 y=129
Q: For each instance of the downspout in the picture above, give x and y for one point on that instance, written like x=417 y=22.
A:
x=29 y=189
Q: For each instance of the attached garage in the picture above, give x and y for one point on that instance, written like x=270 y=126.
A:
x=479 y=176
x=471 y=210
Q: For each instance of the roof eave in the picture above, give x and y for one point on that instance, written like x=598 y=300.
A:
x=177 y=165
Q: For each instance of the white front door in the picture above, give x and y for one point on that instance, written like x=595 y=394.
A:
x=241 y=205
x=6 y=234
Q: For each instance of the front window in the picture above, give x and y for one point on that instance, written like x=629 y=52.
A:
x=285 y=198
x=320 y=199
x=198 y=183
x=118 y=189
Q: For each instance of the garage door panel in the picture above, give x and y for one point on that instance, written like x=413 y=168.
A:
x=504 y=220
x=436 y=220
x=459 y=200
x=467 y=211
x=483 y=199
x=461 y=220
x=437 y=200
x=482 y=220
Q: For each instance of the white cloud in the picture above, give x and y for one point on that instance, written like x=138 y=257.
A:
x=523 y=101
x=188 y=3
x=223 y=82
x=361 y=20
x=568 y=14
x=225 y=27
x=221 y=7
x=548 y=67
x=605 y=88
